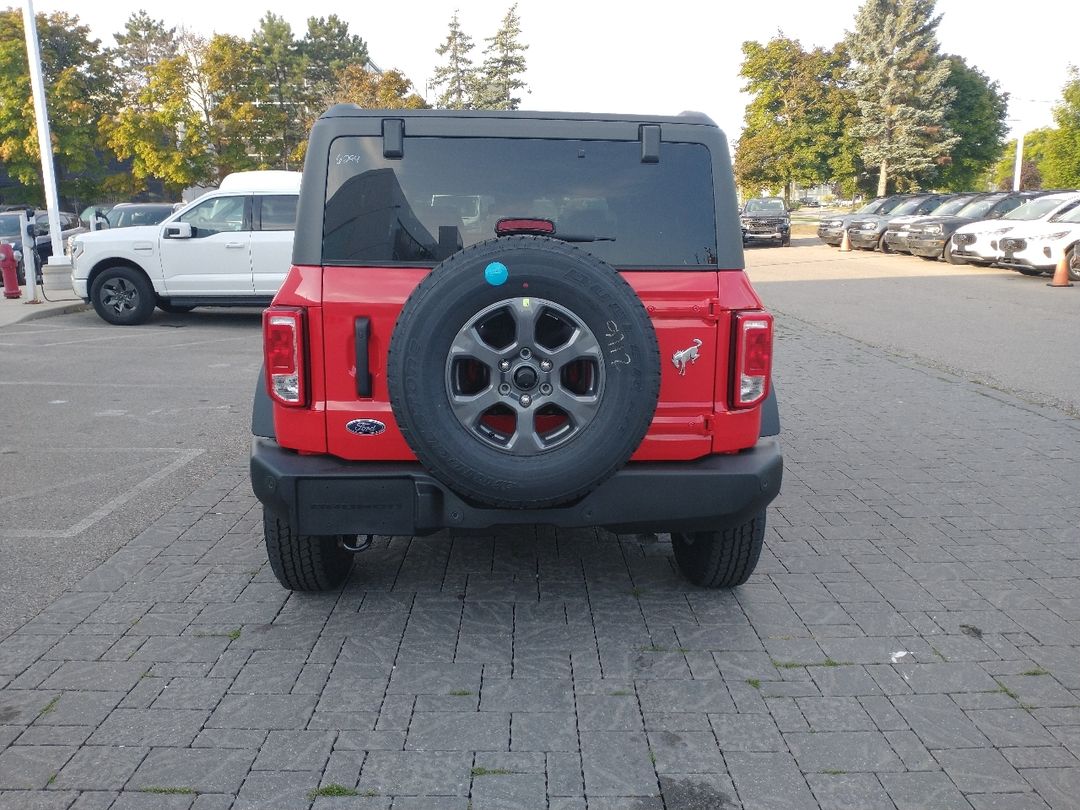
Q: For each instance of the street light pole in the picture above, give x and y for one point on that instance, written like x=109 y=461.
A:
x=41 y=115
x=1019 y=159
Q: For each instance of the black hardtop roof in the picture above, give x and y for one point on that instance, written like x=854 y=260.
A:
x=353 y=111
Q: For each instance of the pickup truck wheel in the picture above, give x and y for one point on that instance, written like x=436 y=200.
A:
x=304 y=562
x=723 y=558
x=523 y=372
x=122 y=296
x=173 y=309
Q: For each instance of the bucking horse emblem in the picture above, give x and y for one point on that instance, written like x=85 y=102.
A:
x=684 y=356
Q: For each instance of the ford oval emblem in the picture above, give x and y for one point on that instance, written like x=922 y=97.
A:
x=365 y=427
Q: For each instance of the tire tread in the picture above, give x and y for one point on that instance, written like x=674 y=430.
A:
x=304 y=562
x=723 y=558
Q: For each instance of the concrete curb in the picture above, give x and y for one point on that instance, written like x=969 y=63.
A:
x=34 y=313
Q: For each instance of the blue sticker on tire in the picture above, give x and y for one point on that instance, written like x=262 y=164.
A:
x=496 y=274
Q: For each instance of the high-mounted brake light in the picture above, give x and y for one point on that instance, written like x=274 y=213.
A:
x=527 y=225
x=753 y=358
x=283 y=345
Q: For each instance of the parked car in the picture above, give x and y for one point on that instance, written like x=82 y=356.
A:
x=868 y=232
x=977 y=243
x=831 y=229
x=417 y=377
x=126 y=215
x=229 y=247
x=809 y=202
x=898 y=231
x=1035 y=248
x=9 y=233
x=931 y=237
x=765 y=219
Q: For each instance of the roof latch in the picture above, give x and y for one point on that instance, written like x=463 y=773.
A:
x=393 y=137
x=650 y=143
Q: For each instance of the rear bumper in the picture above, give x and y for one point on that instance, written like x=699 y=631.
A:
x=325 y=495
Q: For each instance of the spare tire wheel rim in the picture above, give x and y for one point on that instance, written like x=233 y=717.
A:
x=525 y=375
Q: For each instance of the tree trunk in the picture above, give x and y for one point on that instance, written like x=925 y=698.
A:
x=883 y=178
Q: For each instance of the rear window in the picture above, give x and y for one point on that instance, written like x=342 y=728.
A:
x=447 y=193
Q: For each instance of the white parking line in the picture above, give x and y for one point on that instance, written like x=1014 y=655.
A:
x=186 y=457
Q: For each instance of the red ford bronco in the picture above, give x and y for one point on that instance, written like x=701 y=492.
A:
x=515 y=317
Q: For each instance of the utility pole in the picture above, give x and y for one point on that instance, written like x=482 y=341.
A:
x=41 y=115
x=1019 y=159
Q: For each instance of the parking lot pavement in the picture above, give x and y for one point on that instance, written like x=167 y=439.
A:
x=911 y=640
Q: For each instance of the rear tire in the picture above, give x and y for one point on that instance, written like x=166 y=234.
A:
x=882 y=246
x=720 y=559
x=1072 y=261
x=304 y=562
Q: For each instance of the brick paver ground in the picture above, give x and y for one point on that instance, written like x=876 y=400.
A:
x=910 y=641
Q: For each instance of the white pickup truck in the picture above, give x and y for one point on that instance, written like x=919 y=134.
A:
x=230 y=247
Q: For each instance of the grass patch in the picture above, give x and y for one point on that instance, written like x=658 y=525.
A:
x=491 y=772
x=654 y=648
x=51 y=780
x=1003 y=688
x=233 y=635
x=333 y=789
x=788 y=664
x=828 y=662
x=652 y=757
x=49 y=706
x=461 y=693
x=637 y=591
x=834 y=772
x=754 y=682
x=1035 y=672
x=168 y=791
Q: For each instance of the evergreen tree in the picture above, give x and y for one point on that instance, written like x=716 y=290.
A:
x=504 y=65
x=144 y=42
x=977 y=116
x=280 y=70
x=901 y=85
x=455 y=81
x=329 y=49
x=1062 y=169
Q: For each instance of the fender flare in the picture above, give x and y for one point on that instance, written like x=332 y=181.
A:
x=770 y=414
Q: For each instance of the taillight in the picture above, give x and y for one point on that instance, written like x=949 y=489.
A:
x=753 y=358
x=283 y=345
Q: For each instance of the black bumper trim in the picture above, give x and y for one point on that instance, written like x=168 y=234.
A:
x=324 y=495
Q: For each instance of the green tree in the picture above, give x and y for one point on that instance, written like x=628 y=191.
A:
x=1032 y=165
x=280 y=70
x=455 y=80
x=329 y=49
x=229 y=97
x=79 y=91
x=503 y=68
x=977 y=116
x=901 y=85
x=160 y=132
x=794 y=123
x=1062 y=165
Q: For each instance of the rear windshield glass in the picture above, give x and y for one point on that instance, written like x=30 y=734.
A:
x=446 y=193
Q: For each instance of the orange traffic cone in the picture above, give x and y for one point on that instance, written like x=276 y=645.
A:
x=845 y=243
x=1061 y=272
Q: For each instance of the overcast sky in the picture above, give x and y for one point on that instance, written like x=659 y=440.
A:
x=651 y=58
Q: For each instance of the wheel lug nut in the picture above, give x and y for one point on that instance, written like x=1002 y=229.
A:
x=504 y=365
x=545 y=389
x=504 y=389
x=525 y=400
x=525 y=353
x=545 y=365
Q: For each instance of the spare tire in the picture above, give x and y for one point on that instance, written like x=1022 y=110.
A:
x=523 y=372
